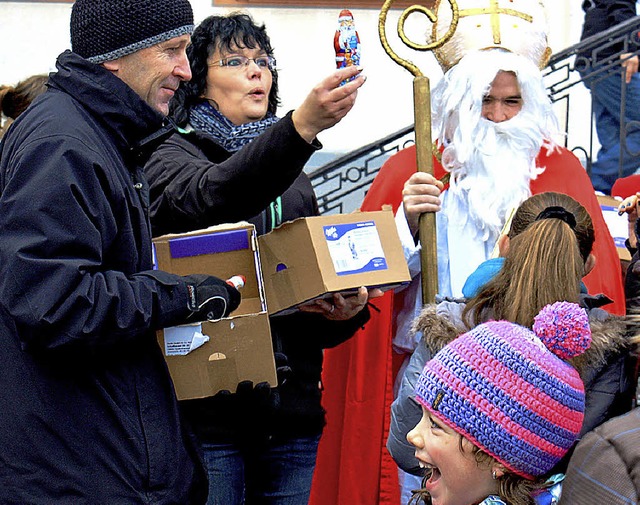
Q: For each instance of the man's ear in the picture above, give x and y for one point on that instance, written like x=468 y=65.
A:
x=112 y=66
x=589 y=264
x=503 y=245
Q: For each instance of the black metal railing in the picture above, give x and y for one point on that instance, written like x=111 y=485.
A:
x=341 y=184
x=593 y=59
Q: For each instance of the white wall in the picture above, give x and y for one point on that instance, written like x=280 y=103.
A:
x=34 y=34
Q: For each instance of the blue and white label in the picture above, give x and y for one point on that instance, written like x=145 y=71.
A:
x=355 y=248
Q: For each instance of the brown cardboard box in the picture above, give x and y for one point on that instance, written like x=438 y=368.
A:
x=617 y=224
x=310 y=257
x=239 y=347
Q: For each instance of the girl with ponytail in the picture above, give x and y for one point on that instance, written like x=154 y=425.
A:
x=545 y=255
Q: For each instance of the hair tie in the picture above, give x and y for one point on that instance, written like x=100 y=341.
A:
x=556 y=212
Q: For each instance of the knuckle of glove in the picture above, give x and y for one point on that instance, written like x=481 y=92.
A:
x=210 y=298
x=280 y=359
x=244 y=388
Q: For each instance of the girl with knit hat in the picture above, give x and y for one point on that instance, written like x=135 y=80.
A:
x=544 y=256
x=501 y=407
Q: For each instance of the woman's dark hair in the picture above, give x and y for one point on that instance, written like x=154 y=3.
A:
x=224 y=33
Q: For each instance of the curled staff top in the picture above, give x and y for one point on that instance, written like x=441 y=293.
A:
x=452 y=16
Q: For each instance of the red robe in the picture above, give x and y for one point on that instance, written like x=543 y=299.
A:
x=354 y=467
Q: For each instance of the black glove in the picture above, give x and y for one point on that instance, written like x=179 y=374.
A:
x=260 y=399
x=210 y=298
x=283 y=370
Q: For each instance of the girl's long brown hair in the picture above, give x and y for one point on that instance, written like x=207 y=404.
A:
x=545 y=263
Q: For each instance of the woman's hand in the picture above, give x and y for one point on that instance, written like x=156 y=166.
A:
x=327 y=103
x=421 y=194
x=341 y=308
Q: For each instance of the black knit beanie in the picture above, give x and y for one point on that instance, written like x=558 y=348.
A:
x=104 y=30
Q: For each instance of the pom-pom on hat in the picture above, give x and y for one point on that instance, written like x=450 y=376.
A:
x=507 y=390
x=104 y=30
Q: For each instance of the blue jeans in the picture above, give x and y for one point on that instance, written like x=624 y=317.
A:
x=275 y=473
x=606 y=94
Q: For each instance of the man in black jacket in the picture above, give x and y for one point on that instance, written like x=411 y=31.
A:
x=87 y=406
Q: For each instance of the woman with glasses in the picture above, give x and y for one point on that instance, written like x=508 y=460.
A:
x=234 y=159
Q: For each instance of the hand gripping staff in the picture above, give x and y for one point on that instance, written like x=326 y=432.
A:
x=422 y=115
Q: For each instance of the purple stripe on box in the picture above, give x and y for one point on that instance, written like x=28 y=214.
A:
x=224 y=241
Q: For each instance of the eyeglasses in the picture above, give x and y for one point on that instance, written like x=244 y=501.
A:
x=264 y=62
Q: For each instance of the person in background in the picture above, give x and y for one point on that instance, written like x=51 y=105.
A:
x=14 y=100
x=500 y=408
x=258 y=447
x=87 y=406
x=629 y=206
x=604 y=465
x=610 y=114
x=544 y=256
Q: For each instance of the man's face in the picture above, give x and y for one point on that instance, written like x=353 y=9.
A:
x=503 y=100
x=155 y=72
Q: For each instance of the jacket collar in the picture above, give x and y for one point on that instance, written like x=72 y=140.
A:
x=129 y=120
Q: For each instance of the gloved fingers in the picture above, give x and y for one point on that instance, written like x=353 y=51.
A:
x=263 y=391
x=206 y=290
x=213 y=308
x=280 y=359
x=283 y=373
x=244 y=388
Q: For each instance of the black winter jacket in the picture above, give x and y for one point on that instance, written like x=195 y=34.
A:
x=195 y=183
x=87 y=406
x=179 y=173
x=600 y=15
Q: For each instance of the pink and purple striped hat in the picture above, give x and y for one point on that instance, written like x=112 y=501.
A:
x=508 y=389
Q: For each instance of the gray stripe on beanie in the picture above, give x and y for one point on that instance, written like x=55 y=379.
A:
x=143 y=44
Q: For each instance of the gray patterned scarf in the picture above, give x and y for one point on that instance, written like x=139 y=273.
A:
x=206 y=119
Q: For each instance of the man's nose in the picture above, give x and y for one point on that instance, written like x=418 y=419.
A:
x=183 y=69
x=496 y=112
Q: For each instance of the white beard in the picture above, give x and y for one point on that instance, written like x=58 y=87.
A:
x=490 y=174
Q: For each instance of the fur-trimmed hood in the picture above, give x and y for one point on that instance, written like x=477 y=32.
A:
x=441 y=323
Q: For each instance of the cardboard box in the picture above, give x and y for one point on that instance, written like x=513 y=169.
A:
x=617 y=225
x=239 y=347
x=311 y=257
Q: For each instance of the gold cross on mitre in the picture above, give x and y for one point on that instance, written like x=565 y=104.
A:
x=494 y=10
x=519 y=26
